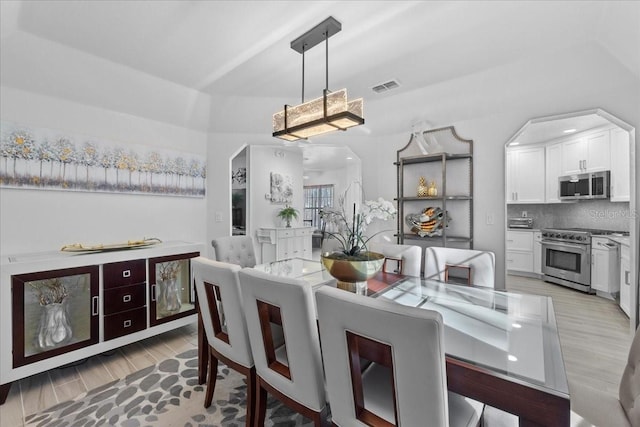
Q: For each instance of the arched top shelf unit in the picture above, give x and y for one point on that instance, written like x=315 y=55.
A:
x=441 y=215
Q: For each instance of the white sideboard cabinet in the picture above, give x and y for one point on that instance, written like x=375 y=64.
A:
x=60 y=307
x=280 y=243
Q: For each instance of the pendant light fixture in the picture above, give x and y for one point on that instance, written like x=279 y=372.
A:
x=332 y=111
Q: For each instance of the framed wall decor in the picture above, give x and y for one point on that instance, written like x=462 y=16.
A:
x=47 y=159
x=281 y=188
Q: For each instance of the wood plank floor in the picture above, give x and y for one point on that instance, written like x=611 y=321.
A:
x=33 y=394
x=594 y=335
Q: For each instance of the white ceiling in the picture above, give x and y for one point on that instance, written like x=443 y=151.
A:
x=241 y=48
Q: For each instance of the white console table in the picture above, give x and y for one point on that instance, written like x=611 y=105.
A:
x=60 y=307
x=280 y=243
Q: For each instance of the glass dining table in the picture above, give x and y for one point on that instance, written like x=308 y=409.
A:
x=502 y=348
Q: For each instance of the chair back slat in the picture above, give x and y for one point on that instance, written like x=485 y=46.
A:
x=270 y=315
x=217 y=310
x=362 y=348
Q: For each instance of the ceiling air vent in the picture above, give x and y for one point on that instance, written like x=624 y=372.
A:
x=386 y=86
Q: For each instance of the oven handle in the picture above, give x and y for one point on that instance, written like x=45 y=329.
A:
x=582 y=248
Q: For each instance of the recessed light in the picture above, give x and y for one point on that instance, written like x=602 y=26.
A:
x=570 y=130
x=514 y=143
x=512 y=358
x=349 y=158
x=516 y=325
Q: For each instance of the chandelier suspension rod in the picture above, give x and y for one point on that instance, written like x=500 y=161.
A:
x=303 y=46
x=326 y=62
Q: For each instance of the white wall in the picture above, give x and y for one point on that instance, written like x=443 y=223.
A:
x=576 y=79
x=41 y=220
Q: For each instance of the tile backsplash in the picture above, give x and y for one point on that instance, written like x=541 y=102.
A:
x=599 y=214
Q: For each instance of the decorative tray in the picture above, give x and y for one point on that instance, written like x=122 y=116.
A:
x=130 y=244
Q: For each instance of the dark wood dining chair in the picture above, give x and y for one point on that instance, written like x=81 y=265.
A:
x=220 y=304
x=385 y=364
x=407 y=259
x=469 y=266
x=292 y=371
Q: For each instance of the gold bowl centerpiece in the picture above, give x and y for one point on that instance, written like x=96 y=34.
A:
x=344 y=254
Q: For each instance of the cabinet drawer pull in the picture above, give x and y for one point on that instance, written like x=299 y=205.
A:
x=126 y=298
x=126 y=273
x=626 y=277
x=126 y=323
x=153 y=292
x=94 y=306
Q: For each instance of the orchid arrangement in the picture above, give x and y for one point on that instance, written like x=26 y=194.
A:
x=349 y=226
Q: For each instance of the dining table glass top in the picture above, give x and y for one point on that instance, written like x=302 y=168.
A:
x=511 y=334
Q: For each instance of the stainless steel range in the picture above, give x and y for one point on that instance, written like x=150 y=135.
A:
x=566 y=257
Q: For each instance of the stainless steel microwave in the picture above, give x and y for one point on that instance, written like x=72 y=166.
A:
x=594 y=185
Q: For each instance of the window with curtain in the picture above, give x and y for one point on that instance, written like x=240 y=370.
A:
x=316 y=197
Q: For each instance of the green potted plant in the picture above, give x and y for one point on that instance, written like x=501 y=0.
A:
x=287 y=214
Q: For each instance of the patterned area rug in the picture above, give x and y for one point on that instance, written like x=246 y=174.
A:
x=165 y=394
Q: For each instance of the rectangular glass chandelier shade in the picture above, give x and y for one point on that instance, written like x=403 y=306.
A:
x=330 y=112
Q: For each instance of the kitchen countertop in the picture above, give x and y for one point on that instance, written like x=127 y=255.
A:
x=623 y=240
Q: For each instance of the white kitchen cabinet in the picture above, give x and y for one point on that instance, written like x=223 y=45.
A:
x=525 y=175
x=537 y=252
x=620 y=161
x=283 y=243
x=520 y=251
x=590 y=153
x=605 y=264
x=625 y=279
x=553 y=169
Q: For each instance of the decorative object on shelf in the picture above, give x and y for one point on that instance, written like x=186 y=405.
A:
x=423 y=190
x=432 y=191
x=351 y=262
x=49 y=159
x=429 y=223
x=281 y=188
x=287 y=214
x=130 y=244
x=168 y=299
x=328 y=113
x=54 y=327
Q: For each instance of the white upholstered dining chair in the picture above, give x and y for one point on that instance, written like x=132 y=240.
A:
x=235 y=250
x=291 y=372
x=408 y=257
x=220 y=304
x=592 y=406
x=479 y=267
x=405 y=383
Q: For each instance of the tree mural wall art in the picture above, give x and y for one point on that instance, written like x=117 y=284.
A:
x=38 y=158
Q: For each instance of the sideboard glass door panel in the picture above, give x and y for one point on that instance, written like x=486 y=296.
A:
x=54 y=312
x=170 y=292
